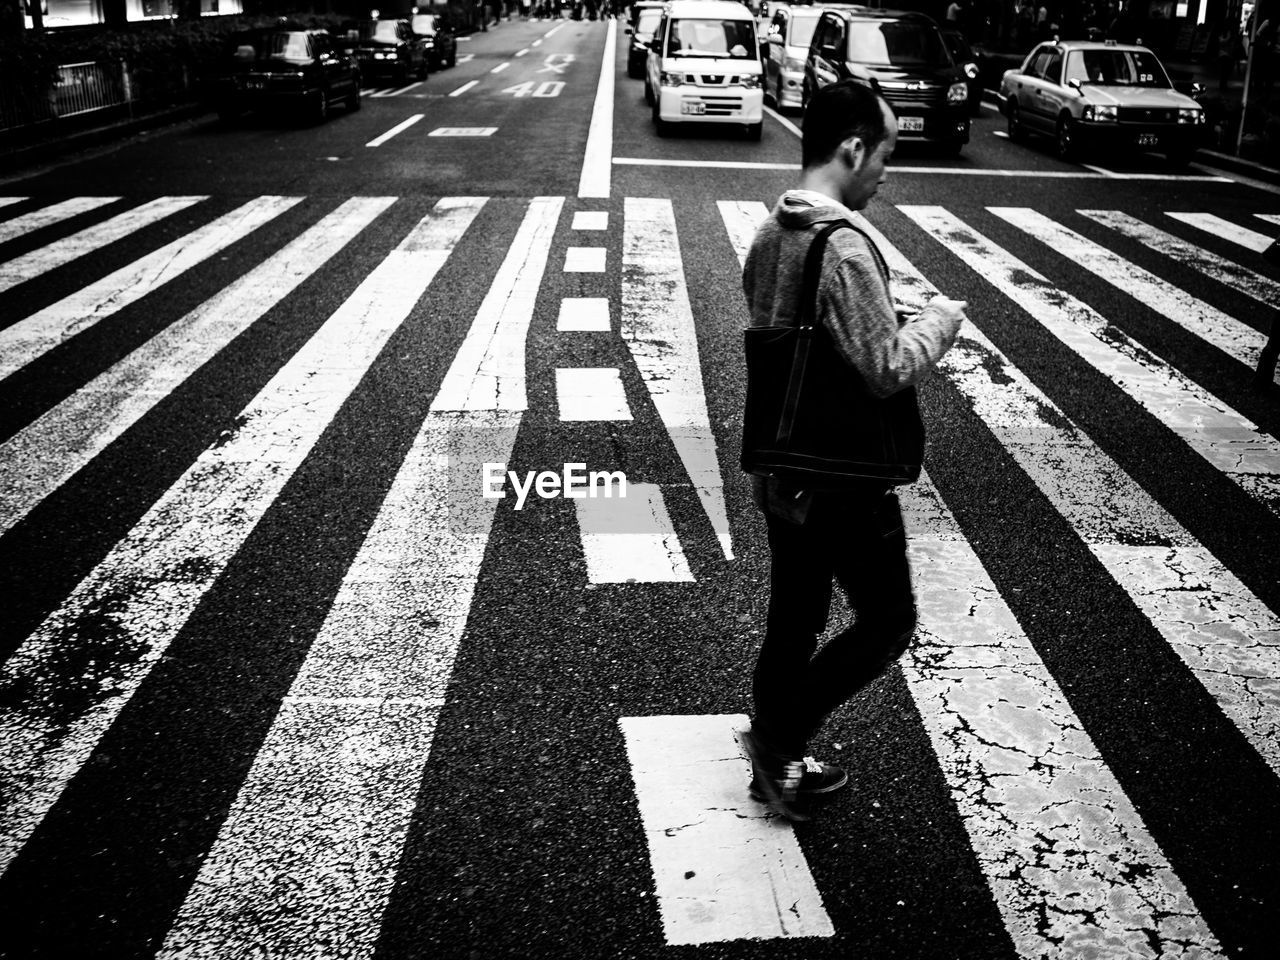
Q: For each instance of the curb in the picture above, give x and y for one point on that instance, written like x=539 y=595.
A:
x=95 y=136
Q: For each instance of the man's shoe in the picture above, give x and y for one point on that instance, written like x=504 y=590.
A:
x=776 y=777
x=817 y=778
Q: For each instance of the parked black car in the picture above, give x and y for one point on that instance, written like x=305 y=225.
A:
x=968 y=59
x=904 y=57
x=437 y=38
x=388 y=49
x=285 y=68
x=646 y=22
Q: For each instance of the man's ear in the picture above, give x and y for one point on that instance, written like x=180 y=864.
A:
x=852 y=152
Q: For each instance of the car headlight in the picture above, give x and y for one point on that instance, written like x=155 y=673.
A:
x=1190 y=115
x=971 y=71
x=1100 y=114
x=958 y=93
x=751 y=81
x=671 y=79
x=792 y=65
x=383 y=56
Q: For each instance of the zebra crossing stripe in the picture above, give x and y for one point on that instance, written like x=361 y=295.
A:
x=63 y=251
x=9 y=201
x=1053 y=831
x=150 y=582
x=1226 y=439
x=585 y=260
x=46 y=216
x=1225 y=634
x=1211 y=223
x=41 y=457
x=583 y=314
x=310 y=847
x=657 y=325
x=591 y=220
x=1237 y=340
x=488 y=372
x=723 y=867
x=1228 y=272
x=30 y=338
x=1269 y=217
x=631 y=539
x=591 y=393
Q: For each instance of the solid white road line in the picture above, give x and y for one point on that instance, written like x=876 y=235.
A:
x=1226 y=439
x=396 y=92
x=591 y=393
x=61 y=252
x=41 y=457
x=489 y=373
x=703 y=164
x=42 y=331
x=584 y=314
x=1211 y=223
x=463 y=132
x=630 y=539
x=500 y=67
x=464 y=88
x=150 y=582
x=1224 y=633
x=1228 y=272
x=1053 y=831
x=585 y=260
x=723 y=867
x=787 y=124
x=312 y=842
x=939 y=171
x=466 y=56
x=657 y=325
x=596 y=166
x=398 y=128
x=45 y=216
x=591 y=220
x=1236 y=339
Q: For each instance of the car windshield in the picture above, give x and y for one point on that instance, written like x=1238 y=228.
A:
x=713 y=38
x=801 y=31
x=423 y=24
x=648 y=21
x=958 y=47
x=1117 y=68
x=280 y=45
x=897 y=44
x=379 y=30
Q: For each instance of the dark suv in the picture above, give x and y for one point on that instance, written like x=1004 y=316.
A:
x=285 y=68
x=389 y=48
x=903 y=56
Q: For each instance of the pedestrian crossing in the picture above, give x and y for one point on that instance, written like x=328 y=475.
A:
x=310 y=850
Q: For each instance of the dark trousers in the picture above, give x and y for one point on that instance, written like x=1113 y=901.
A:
x=858 y=542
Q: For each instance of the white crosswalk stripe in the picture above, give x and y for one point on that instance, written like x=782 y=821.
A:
x=310 y=849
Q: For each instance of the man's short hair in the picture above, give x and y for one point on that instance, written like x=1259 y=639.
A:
x=834 y=114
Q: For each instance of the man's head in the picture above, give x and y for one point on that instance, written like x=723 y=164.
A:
x=849 y=133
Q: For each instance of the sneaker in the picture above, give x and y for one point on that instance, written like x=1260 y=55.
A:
x=775 y=777
x=816 y=778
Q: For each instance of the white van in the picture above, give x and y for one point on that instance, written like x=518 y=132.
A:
x=704 y=67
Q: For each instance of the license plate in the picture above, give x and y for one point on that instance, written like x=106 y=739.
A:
x=255 y=84
x=1148 y=140
x=911 y=124
x=694 y=108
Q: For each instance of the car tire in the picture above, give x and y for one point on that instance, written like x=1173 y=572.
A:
x=453 y=58
x=951 y=148
x=1016 y=130
x=648 y=92
x=425 y=69
x=660 y=126
x=754 y=130
x=804 y=94
x=1180 y=157
x=353 y=100
x=320 y=107
x=1065 y=142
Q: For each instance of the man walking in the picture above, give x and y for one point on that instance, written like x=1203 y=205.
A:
x=855 y=537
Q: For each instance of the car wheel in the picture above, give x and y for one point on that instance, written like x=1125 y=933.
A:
x=353 y=101
x=401 y=76
x=754 y=130
x=648 y=92
x=1180 y=156
x=777 y=96
x=804 y=94
x=1016 y=130
x=424 y=69
x=951 y=148
x=662 y=127
x=320 y=108
x=1066 y=142
x=453 y=58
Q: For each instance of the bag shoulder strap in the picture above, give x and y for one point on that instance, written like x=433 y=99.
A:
x=813 y=268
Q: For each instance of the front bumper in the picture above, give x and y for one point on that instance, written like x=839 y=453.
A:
x=720 y=104
x=941 y=124
x=1140 y=136
x=374 y=67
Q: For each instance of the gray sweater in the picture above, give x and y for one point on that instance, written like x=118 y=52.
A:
x=854 y=304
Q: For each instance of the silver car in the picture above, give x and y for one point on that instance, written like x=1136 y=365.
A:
x=788 y=34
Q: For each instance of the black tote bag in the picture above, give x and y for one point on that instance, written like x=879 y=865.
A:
x=809 y=418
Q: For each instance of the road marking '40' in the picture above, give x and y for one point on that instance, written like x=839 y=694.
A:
x=548 y=88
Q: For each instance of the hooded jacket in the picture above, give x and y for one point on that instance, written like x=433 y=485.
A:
x=854 y=305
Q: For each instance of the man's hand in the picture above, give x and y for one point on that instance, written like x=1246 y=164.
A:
x=948 y=309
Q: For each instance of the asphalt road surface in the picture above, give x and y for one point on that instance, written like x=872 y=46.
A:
x=281 y=681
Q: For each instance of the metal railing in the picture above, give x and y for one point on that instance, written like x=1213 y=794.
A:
x=83 y=88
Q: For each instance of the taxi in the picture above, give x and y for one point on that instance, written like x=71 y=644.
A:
x=1087 y=93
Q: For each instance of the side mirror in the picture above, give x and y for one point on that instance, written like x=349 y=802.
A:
x=628 y=31
x=1074 y=84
